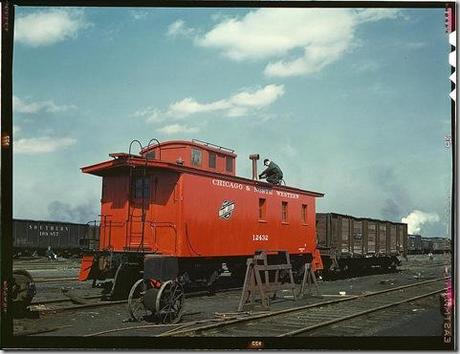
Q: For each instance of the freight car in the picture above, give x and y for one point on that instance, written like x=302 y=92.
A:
x=435 y=245
x=441 y=245
x=35 y=236
x=349 y=243
x=414 y=245
x=174 y=213
x=427 y=245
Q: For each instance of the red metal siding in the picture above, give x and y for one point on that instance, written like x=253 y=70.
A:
x=182 y=217
x=182 y=150
x=114 y=212
x=208 y=234
x=121 y=221
x=165 y=212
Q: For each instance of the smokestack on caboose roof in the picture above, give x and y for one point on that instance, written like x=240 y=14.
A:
x=254 y=158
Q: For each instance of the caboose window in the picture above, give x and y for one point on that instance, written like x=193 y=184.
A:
x=229 y=164
x=150 y=155
x=196 y=157
x=284 y=212
x=141 y=187
x=262 y=208
x=304 y=214
x=212 y=160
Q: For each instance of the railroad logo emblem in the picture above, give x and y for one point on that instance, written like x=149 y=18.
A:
x=226 y=209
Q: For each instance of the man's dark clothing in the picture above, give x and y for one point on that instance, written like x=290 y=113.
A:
x=273 y=173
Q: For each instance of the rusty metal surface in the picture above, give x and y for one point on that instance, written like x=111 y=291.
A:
x=359 y=237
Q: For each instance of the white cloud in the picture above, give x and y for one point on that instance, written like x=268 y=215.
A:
x=322 y=36
x=259 y=98
x=417 y=218
x=138 y=14
x=177 y=128
x=179 y=28
x=48 y=27
x=235 y=106
x=41 y=145
x=242 y=103
x=150 y=114
x=20 y=106
x=373 y=15
x=189 y=106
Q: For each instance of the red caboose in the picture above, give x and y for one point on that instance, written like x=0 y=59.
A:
x=178 y=209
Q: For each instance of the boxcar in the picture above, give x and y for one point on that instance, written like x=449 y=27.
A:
x=348 y=242
x=440 y=245
x=64 y=238
x=427 y=245
x=414 y=245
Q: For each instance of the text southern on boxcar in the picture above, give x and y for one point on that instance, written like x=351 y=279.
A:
x=65 y=238
x=178 y=208
x=348 y=242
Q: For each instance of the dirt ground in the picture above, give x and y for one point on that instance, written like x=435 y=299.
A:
x=421 y=318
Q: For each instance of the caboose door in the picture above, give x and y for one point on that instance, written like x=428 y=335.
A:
x=138 y=230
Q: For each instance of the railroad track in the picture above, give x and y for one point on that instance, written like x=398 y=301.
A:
x=300 y=320
x=81 y=303
x=76 y=307
x=64 y=300
x=47 y=269
x=53 y=280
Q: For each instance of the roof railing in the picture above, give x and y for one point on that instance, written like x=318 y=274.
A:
x=212 y=145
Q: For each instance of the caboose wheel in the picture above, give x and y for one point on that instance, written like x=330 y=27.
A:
x=136 y=307
x=170 y=302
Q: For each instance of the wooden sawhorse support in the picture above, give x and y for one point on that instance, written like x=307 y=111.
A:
x=264 y=279
x=309 y=278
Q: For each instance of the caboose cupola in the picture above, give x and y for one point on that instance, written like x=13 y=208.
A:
x=196 y=153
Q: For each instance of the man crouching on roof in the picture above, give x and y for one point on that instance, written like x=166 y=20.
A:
x=272 y=173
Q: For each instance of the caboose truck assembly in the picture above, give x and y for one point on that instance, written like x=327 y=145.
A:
x=171 y=215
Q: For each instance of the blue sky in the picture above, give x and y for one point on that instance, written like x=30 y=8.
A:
x=350 y=102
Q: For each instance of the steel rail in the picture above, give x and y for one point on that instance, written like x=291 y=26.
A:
x=105 y=303
x=358 y=314
x=39 y=331
x=51 y=280
x=51 y=269
x=296 y=309
x=83 y=306
x=67 y=299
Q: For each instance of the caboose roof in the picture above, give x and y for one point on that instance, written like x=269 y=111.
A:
x=122 y=161
x=195 y=142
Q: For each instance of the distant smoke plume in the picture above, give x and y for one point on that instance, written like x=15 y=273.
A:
x=82 y=213
x=396 y=196
x=417 y=218
x=391 y=210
